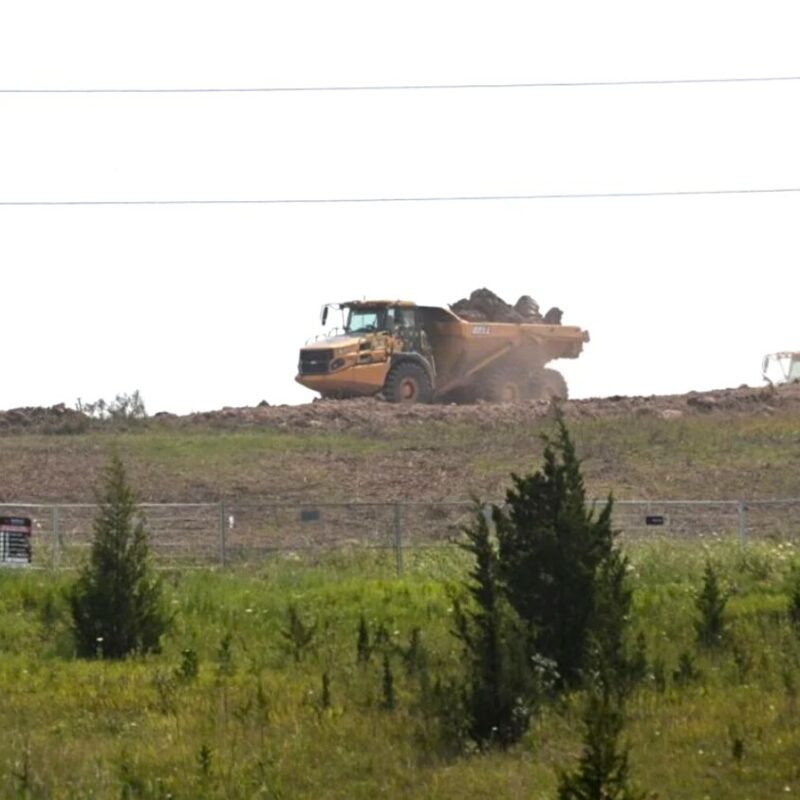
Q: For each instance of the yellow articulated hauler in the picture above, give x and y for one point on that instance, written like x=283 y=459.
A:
x=422 y=354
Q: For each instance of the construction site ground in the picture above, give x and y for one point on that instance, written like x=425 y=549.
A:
x=735 y=443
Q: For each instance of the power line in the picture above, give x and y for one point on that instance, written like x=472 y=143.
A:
x=405 y=87
x=423 y=199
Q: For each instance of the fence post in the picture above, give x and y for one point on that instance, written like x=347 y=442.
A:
x=56 y=553
x=398 y=538
x=222 y=543
x=742 y=510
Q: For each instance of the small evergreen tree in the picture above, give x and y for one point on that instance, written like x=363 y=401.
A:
x=297 y=634
x=616 y=665
x=710 y=604
x=555 y=555
x=602 y=772
x=389 y=700
x=551 y=590
x=414 y=655
x=363 y=647
x=325 y=698
x=687 y=670
x=794 y=598
x=499 y=692
x=117 y=603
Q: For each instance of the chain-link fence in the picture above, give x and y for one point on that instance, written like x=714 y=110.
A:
x=179 y=532
x=234 y=533
x=255 y=530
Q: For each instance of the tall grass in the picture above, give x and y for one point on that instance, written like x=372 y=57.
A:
x=249 y=719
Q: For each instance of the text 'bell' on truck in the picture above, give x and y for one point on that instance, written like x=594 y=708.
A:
x=422 y=354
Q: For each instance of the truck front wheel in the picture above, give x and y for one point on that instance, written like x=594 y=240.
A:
x=408 y=383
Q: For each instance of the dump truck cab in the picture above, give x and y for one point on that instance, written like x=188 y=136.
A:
x=375 y=337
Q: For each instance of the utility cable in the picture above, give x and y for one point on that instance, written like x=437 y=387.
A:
x=421 y=199
x=406 y=87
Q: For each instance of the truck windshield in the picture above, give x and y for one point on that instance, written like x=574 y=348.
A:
x=360 y=320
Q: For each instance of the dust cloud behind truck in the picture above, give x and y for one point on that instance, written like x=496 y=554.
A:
x=421 y=354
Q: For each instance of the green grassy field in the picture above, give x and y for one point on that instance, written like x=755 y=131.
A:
x=254 y=720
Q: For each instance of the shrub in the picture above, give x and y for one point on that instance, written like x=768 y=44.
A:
x=687 y=670
x=414 y=655
x=297 y=635
x=389 y=700
x=325 y=697
x=123 y=408
x=551 y=590
x=500 y=689
x=710 y=604
x=603 y=771
x=363 y=647
x=189 y=667
x=794 y=598
x=618 y=666
x=117 y=604
x=559 y=565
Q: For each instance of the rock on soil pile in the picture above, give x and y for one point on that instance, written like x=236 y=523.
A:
x=53 y=419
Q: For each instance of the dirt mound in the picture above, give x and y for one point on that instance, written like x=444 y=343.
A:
x=374 y=416
x=53 y=419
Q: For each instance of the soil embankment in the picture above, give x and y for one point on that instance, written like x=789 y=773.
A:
x=732 y=443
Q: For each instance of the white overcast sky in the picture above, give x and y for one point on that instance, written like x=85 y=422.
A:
x=201 y=307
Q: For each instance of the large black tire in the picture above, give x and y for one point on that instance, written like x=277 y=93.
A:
x=548 y=383
x=505 y=384
x=407 y=383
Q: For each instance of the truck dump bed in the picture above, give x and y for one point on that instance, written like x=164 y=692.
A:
x=462 y=349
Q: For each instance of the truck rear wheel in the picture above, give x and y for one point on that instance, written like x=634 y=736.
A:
x=408 y=383
x=549 y=383
x=503 y=386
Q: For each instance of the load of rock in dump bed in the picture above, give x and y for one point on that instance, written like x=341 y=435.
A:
x=485 y=306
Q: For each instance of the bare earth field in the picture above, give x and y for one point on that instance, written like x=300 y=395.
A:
x=735 y=443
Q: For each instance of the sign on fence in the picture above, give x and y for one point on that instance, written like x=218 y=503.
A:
x=15 y=541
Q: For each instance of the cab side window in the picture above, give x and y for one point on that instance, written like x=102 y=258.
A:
x=404 y=318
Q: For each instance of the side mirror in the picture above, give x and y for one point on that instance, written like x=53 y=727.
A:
x=324 y=315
